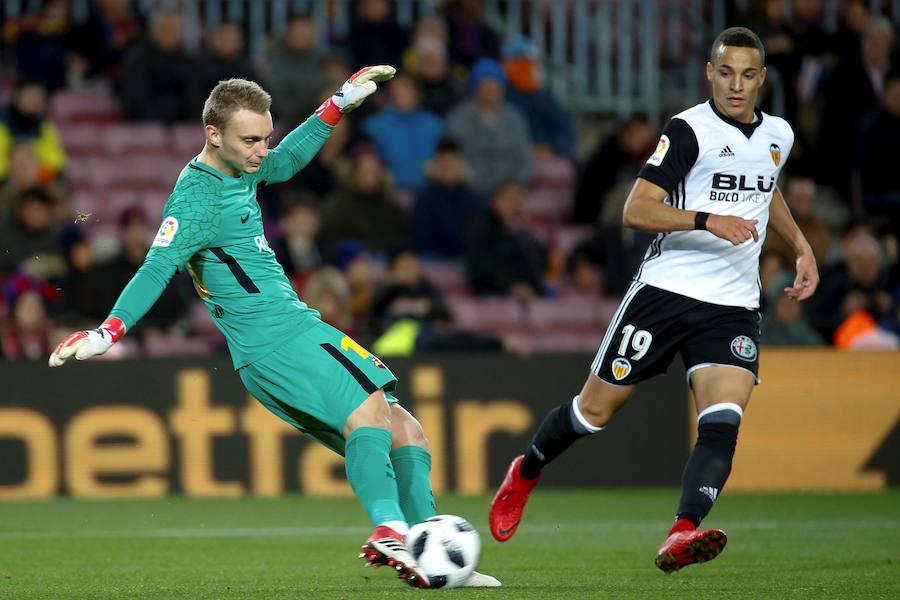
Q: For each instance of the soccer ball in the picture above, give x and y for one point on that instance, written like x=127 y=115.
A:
x=447 y=548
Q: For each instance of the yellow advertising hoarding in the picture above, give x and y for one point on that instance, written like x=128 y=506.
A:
x=820 y=420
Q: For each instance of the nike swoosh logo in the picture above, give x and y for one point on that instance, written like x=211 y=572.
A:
x=503 y=532
x=244 y=219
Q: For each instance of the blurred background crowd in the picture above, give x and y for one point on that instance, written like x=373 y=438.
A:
x=470 y=207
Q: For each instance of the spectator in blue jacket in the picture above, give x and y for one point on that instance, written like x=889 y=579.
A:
x=405 y=134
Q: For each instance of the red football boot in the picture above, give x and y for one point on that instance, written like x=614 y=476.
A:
x=686 y=547
x=509 y=502
x=387 y=547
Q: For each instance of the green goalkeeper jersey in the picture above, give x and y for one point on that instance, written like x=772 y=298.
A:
x=212 y=226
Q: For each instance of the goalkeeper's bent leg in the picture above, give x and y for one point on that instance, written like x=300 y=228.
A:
x=372 y=476
x=368 y=463
x=412 y=464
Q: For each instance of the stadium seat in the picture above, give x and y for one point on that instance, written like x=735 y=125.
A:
x=490 y=313
x=569 y=236
x=152 y=201
x=448 y=275
x=552 y=192
x=144 y=172
x=186 y=140
x=175 y=345
x=84 y=105
x=95 y=207
x=134 y=139
x=78 y=172
x=80 y=138
x=551 y=170
x=105 y=206
x=201 y=322
x=546 y=201
x=557 y=340
x=571 y=310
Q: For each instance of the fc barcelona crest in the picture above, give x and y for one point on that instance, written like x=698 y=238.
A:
x=775 y=151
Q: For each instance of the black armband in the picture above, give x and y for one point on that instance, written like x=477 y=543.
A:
x=700 y=220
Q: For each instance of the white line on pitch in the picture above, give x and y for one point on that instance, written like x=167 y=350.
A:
x=543 y=528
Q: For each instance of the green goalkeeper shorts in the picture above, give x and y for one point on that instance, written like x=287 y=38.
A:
x=316 y=380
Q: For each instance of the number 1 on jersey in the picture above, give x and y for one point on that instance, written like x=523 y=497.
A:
x=348 y=343
x=640 y=341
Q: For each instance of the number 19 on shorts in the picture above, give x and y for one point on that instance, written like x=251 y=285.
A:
x=640 y=341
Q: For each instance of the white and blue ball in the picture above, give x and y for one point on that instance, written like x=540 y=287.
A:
x=447 y=549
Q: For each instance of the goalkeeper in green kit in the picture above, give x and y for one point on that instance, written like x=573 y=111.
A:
x=302 y=369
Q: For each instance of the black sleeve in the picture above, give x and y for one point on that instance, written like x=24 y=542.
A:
x=674 y=156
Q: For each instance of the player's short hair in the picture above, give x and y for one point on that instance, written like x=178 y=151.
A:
x=230 y=96
x=740 y=37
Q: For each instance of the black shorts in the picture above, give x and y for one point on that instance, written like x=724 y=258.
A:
x=652 y=324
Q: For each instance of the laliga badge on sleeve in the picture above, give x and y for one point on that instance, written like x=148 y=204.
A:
x=660 y=153
x=166 y=232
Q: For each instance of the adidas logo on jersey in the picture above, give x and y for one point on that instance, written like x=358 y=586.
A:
x=726 y=151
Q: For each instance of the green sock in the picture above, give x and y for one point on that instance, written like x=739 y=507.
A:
x=412 y=465
x=371 y=474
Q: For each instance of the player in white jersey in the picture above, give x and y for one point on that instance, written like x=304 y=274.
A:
x=709 y=192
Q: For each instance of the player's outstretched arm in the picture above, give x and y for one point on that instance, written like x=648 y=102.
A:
x=88 y=343
x=304 y=142
x=780 y=219
x=645 y=210
x=190 y=223
x=139 y=295
x=357 y=88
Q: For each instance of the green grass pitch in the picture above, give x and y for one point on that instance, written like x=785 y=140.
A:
x=572 y=544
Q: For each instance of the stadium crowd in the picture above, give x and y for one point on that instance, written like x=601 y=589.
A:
x=456 y=212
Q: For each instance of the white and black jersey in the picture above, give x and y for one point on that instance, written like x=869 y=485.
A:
x=709 y=162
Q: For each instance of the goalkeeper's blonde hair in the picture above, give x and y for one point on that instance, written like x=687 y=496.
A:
x=230 y=96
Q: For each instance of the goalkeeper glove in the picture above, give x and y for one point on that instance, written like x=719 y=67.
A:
x=92 y=342
x=356 y=89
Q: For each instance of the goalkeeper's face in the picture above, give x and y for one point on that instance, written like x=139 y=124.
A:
x=244 y=142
